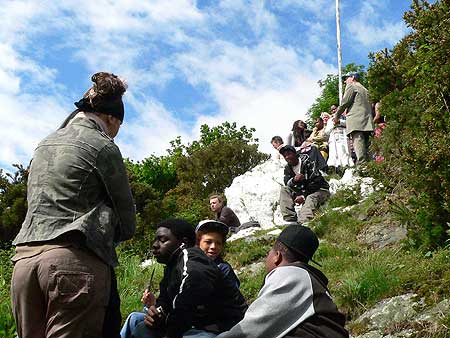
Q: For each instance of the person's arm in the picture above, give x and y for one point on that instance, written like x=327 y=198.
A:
x=347 y=101
x=283 y=303
x=113 y=174
x=290 y=139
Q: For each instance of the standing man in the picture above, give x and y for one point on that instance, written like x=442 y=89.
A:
x=303 y=185
x=294 y=300
x=79 y=207
x=359 y=115
x=224 y=213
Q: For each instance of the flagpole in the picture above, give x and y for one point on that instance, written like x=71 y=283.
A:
x=339 y=51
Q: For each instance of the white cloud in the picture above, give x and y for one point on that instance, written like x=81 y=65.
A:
x=369 y=29
x=232 y=49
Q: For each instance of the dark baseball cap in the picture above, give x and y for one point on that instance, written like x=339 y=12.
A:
x=301 y=240
x=350 y=74
x=287 y=147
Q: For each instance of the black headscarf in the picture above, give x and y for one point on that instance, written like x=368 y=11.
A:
x=105 y=96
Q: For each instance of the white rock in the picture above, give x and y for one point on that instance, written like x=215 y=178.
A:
x=254 y=195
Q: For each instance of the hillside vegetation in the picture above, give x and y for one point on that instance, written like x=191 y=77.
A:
x=412 y=83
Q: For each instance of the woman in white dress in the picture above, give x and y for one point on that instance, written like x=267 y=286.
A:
x=339 y=155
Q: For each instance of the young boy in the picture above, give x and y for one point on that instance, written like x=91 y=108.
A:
x=211 y=237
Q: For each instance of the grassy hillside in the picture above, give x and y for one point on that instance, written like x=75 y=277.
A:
x=359 y=275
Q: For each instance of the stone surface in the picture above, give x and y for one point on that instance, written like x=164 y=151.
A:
x=254 y=195
x=398 y=311
x=382 y=235
x=395 y=309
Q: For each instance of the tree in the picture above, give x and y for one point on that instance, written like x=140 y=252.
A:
x=412 y=82
x=13 y=202
x=210 y=165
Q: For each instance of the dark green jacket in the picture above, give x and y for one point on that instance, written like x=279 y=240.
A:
x=78 y=182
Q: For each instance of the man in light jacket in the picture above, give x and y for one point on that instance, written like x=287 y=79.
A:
x=295 y=300
x=359 y=115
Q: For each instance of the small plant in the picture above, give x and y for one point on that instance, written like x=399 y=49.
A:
x=368 y=282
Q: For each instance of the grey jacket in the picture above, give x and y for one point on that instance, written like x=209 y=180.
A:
x=78 y=182
x=294 y=302
x=359 y=111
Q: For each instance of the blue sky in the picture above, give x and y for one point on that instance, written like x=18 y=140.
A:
x=186 y=63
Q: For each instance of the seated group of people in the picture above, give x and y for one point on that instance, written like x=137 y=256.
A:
x=199 y=294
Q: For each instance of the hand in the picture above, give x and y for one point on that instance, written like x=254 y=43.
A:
x=148 y=298
x=299 y=177
x=152 y=316
x=299 y=200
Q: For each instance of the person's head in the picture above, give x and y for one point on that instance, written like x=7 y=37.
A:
x=211 y=237
x=295 y=243
x=351 y=77
x=319 y=123
x=333 y=109
x=276 y=142
x=104 y=98
x=290 y=155
x=325 y=117
x=170 y=235
x=298 y=125
x=216 y=203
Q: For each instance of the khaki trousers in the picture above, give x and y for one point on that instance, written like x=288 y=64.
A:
x=312 y=202
x=62 y=292
x=361 y=145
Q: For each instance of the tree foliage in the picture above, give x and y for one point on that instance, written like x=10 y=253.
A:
x=330 y=91
x=13 y=202
x=412 y=82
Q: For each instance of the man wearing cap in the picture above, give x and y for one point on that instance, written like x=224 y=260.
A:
x=195 y=298
x=303 y=185
x=79 y=208
x=294 y=300
x=359 y=123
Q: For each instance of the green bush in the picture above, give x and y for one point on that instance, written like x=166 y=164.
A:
x=412 y=82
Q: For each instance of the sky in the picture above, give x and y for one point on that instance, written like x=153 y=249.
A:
x=186 y=63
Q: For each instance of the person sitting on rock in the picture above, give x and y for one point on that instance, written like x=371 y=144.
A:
x=295 y=300
x=223 y=213
x=195 y=299
x=277 y=143
x=319 y=138
x=303 y=185
x=211 y=238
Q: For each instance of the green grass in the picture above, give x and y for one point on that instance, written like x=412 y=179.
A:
x=359 y=276
x=7 y=325
x=132 y=280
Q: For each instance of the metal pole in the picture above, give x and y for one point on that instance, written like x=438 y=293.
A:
x=339 y=51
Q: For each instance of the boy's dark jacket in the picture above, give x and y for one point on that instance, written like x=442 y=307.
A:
x=312 y=182
x=195 y=293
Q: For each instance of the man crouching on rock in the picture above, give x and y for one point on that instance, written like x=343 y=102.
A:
x=195 y=299
x=303 y=185
x=294 y=301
